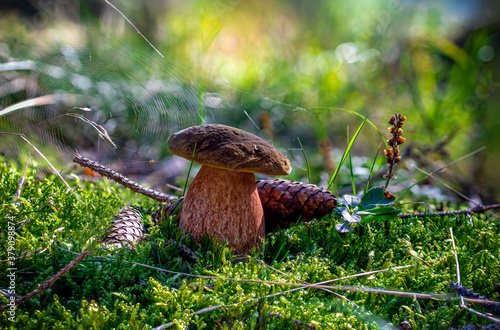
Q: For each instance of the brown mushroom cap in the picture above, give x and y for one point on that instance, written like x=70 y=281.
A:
x=229 y=148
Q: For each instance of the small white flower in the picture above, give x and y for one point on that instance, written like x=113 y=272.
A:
x=351 y=218
x=351 y=200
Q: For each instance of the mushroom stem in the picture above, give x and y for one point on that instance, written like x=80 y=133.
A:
x=225 y=204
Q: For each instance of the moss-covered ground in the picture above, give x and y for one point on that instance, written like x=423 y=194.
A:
x=114 y=293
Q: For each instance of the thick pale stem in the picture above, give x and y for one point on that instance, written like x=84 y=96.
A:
x=225 y=204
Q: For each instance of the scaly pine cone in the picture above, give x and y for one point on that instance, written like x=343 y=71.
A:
x=285 y=202
x=127 y=229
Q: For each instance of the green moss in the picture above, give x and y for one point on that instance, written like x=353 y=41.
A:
x=104 y=293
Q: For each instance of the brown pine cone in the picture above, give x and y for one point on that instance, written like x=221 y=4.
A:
x=127 y=229
x=285 y=202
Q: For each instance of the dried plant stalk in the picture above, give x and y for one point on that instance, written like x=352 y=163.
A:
x=392 y=154
x=117 y=177
x=464 y=292
x=475 y=209
x=47 y=284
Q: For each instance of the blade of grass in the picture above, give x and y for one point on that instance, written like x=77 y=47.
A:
x=371 y=169
x=446 y=185
x=278 y=253
x=344 y=156
x=189 y=171
x=356 y=114
x=439 y=170
x=41 y=154
x=200 y=107
x=17 y=65
x=307 y=161
x=42 y=100
x=21 y=181
x=136 y=29
x=103 y=134
x=350 y=167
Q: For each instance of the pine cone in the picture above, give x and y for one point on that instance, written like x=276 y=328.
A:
x=285 y=202
x=127 y=229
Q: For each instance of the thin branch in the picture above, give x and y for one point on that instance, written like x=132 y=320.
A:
x=117 y=177
x=462 y=303
x=459 y=159
x=146 y=266
x=285 y=274
x=440 y=169
x=476 y=209
x=100 y=130
x=136 y=29
x=47 y=284
x=493 y=319
x=342 y=287
x=317 y=285
x=456 y=255
x=446 y=185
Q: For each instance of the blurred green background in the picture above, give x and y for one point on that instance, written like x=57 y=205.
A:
x=263 y=66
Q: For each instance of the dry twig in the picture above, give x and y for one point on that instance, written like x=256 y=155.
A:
x=47 y=284
x=117 y=177
x=475 y=209
x=463 y=292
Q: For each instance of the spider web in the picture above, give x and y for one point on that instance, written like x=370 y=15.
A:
x=115 y=104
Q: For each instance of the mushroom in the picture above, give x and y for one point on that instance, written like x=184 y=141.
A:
x=223 y=199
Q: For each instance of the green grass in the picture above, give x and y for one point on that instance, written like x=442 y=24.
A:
x=112 y=293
